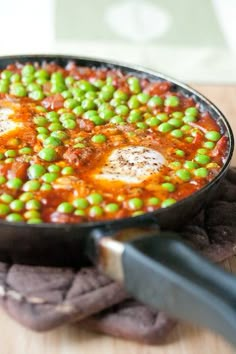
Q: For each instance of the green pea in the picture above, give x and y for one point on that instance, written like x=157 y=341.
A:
x=15 y=78
x=67 y=94
x=9 y=160
x=189 y=119
x=52 y=142
x=2 y=180
x=17 y=205
x=42 y=137
x=111 y=208
x=34 y=221
x=53 y=127
x=135 y=203
x=95 y=198
x=67 y=171
x=176 y=122
x=36 y=171
x=168 y=202
x=6 y=198
x=116 y=120
x=185 y=128
x=105 y=96
x=153 y=201
x=152 y=121
x=123 y=110
x=50 y=177
x=177 y=133
x=15 y=183
x=10 y=153
x=41 y=109
x=37 y=95
x=120 y=95
x=32 y=214
x=85 y=85
x=33 y=87
x=143 y=97
x=213 y=135
x=42 y=130
x=4 y=209
x=58 y=87
x=155 y=101
x=90 y=114
x=70 y=103
x=141 y=125
x=59 y=134
x=48 y=154
x=65 y=208
x=46 y=187
x=191 y=111
x=133 y=102
x=175 y=165
x=134 y=84
x=137 y=213
x=6 y=74
x=69 y=124
x=134 y=117
x=26 y=80
x=168 y=186
x=88 y=104
x=80 y=203
x=209 y=145
x=107 y=114
x=97 y=120
x=79 y=212
x=69 y=80
x=1 y=156
x=14 y=217
x=18 y=89
x=183 y=174
x=95 y=211
x=177 y=115
x=202 y=159
x=57 y=77
x=33 y=204
x=40 y=121
x=179 y=152
x=172 y=101
x=202 y=151
x=165 y=127
x=24 y=197
x=79 y=145
x=190 y=165
x=31 y=186
x=99 y=83
x=99 y=138
x=4 y=87
x=41 y=74
x=163 y=117
x=26 y=151
x=189 y=139
x=91 y=95
x=201 y=172
x=52 y=116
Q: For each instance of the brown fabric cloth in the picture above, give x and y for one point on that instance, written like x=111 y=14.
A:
x=42 y=298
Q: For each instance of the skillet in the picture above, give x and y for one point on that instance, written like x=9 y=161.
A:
x=154 y=265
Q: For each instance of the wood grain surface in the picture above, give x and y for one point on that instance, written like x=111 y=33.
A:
x=185 y=339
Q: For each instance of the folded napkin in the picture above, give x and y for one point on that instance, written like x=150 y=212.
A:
x=43 y=298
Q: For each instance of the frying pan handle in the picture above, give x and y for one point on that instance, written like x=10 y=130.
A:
x=165 y=273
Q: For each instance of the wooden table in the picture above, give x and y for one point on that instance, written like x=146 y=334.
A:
x=185 y=339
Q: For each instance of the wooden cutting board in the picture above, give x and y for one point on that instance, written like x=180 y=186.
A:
x=185 y=339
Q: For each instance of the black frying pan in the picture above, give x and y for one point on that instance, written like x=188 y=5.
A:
x=155 y=266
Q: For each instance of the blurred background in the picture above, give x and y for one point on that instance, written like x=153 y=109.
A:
x=194 y=41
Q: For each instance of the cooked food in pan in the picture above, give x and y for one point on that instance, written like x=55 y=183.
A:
x=84 y=144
